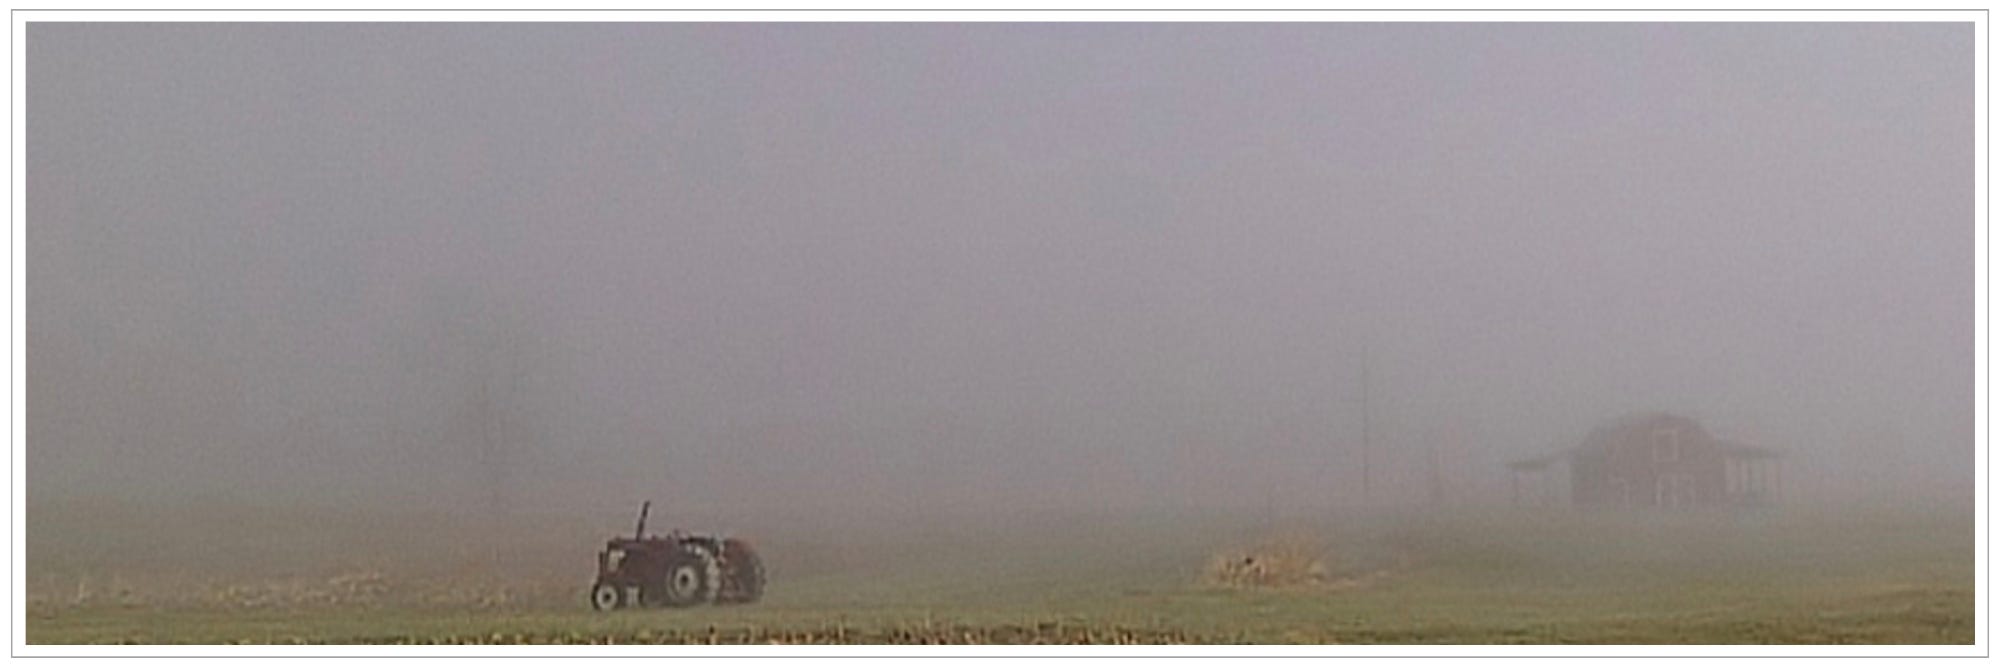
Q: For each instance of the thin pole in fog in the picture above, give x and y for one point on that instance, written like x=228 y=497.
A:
x=1436 y=476
x=1366 y=471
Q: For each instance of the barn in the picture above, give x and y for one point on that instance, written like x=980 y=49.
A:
x=1649 y=460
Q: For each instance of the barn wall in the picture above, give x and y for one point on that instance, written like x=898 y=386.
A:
x=1633 y=466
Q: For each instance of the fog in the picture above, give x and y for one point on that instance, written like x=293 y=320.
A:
x=864 y=270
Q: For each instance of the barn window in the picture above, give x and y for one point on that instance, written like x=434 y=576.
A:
x=1667 y=444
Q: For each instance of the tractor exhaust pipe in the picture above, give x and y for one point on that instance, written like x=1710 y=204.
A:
x=640 y=533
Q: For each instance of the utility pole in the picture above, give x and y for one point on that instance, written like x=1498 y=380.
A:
x=1437 y=476
x=1366 y=473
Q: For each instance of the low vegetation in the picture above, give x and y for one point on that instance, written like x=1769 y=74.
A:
x=1793 y=578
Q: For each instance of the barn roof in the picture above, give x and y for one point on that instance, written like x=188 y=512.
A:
x=1639 y=424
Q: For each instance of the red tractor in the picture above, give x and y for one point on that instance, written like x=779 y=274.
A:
x=678 y=570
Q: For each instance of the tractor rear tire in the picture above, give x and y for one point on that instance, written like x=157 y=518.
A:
x=691 y=577
x=742 y=574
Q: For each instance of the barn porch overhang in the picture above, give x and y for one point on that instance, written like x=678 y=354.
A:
x=1536 y=464
x=1742 y=452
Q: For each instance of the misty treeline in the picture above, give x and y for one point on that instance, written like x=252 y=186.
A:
x=451 y=407
x=468 y=403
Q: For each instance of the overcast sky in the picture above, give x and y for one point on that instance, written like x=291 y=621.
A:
x=955 y=265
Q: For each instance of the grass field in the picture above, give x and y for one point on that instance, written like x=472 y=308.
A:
x=1484 y=578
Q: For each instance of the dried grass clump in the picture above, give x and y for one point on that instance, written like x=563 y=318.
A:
x=355 y=588
x=1280 y=562
x=361 y=588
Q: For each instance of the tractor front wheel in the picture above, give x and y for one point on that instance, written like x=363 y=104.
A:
x=606 y=597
